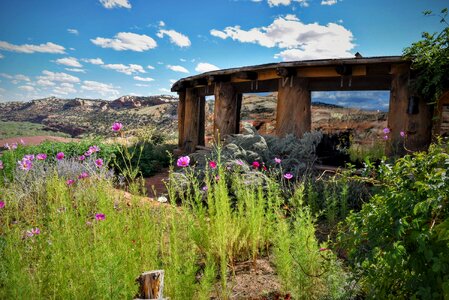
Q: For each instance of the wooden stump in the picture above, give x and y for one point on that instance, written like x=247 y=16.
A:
x=151 y=285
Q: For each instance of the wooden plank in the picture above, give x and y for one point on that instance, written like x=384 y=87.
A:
x=285 y=72
x=225 y=110
x=246 y=75
x=293 y=114
x=181 y=117
x=151 y=285
x=351 y=83
x=317 y=72
x=192 y=120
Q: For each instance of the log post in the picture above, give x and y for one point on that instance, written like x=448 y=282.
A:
x=181 y=117
x=191 y=120
x=202 y=122
x=226 y=110
x=293 y=112
x=151 y=285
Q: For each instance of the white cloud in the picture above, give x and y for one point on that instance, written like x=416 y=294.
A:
x=161 y=23
x=150 y=67
x=183 y=59
x=115 y=3
x=126 y=69
x=94 y=61
x=27 y=88
x=1 y=56
x=76 y=70
x=16 y=78
x=206 y=67
x=164 y=90
x=45 y=82
x=328 y=2
x=58 y=77
x=180 y=69
x=272 y=3
x=176 y=38
x=147 y=79
x=64 y=89
x=103 y=89
x=300 y=40
x=142 y=85
x=73 y=31
x=27 y=48
x=69 y=61
x=126 y=41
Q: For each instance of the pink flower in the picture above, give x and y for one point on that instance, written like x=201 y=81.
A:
x=239 y=162
x=288 y=176
x=99 y=163
x=87 y=153
x=277 y=160
x=83 y=175
x=100 y=217
x=25 y=164
x=33 y=231
x=117 y=126
x=402 y=133
x=2 y=204
x=22 y=142
x=81 y=157
x=386 y=130
x=323 y=249
x=41 y=156
x=256 y=164
x=70 y=182
x=29 y=157
x=1 y=165
x=204 y=188
x=94 y=149
x=264 y=168
x=14 y=146
x=212 y=164
x=183 y=161
x=385 y=137
x=6 y=146
x=60 y=155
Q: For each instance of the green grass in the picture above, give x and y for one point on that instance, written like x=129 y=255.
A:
x=17 y=129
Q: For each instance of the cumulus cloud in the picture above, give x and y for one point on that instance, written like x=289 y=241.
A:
x=28 y=48
x=76 y=70
x=115 y=3
x=180 y=69
x=94 y=61
x=126 y=41
x=142 y=85
x=73 y=31
x=176 y=38
x=328 y=2
x=150 y=67
x=69 y=61
x=147 y=79
x=27 y=88
x=205 y=67
x=300 y=40
x=126 y=69
x=103 y=89
x=272 y=3
x=161 y=23
x=64 y=89
x=58 y=77
x=45 y=82
x=15 y=78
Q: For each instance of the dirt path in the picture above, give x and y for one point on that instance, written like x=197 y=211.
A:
x=155 y=184
x=34 y=140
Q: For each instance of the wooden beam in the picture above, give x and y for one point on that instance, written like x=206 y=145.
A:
x=181 y=117
x=191 y=120
x=293 y=113
x=219 y=78
x=199 y=82
x=285 y=72
x=246 y=75
x=225 y=110
x=350 y=83
x=256 y=86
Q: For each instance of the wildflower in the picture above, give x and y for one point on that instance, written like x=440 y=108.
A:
x=385 y=137
x=70 y=182
x=22 y=142
x=2 y=204
x=402 y=133
x=81 y=157
x=41 y=156
x=288 y=176
x=100 y=217
x=117 y=126
x=25 y=164
x=60 y=155
x=239 y=162
x=6 y=146
x=212 y=164
x=162 y=199
x=386 y=130
x=94 y=149
x=217 y=178
x=83 y=175
x=1 y=165
x=183 y=161
x=88 y=153
x=204 y=188
x=277 y=160
x=30 y=157
x=14 y=146
x=99 y=163
x=264 y=168
x=88 y=223
x=323 y=249
x=256 y=164
x=33 y=231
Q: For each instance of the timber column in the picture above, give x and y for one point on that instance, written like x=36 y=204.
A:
x=293 y=112
x=226 y=110
x=191 y=136
x=181 y=118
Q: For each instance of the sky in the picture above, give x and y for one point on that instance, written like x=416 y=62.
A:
x=109 y=48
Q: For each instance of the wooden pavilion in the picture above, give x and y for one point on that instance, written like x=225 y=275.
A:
x=294 y=82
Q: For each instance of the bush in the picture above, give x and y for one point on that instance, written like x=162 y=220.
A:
x=399 y=241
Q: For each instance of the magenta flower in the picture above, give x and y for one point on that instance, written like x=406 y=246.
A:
x=99 y=163
x=60 y=155
x=212 y=164
x=30 y=157
x=256 y=164
x=70 y=182
x=25 y=164
x=33 y=231
x=117 y=126
x=386 y=130
x=1 y=165
x=402 y=133
x=83 y=175
x=100 y=217
x=239 y=162
x=277 y=160
x=88 y=153
x=6 y=146
x=94 y=149
x=41 y=156
x=204 y=188
x=2 y=204
x=288 y=176
x=323 y=249
x=385 y=137
x=14 y=146
x=183 y=161
x=82 y=157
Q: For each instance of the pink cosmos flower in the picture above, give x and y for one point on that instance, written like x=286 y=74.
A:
x=88 y=153
x=25 y=164
x=100 y=217
x=1 y=165
x=29 y=157
x=212 y=164
x=99 y=163
x=386 y=130
x=6 y=146
x=239 y=162
x=14 y=146
x=288 y=176
x=277 y=160
x=41 y=156
x=60 y=155
x=83 y=175
x=33 y=231
x=94 y=149
x=183 y=161
x=117 y=126
x=256 y=164
x=82 y=157
x=2 y=204
x=70 y=182
x=402 y=133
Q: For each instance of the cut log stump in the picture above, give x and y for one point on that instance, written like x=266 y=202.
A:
x=151 y=285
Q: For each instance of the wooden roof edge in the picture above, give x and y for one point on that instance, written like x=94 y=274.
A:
x=292 y=64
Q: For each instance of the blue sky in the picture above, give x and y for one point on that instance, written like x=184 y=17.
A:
x=108 y=48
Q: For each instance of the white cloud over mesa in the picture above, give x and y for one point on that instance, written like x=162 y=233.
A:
x=180 y=69
x=176 y=38
x=126 y=41
x=104 y=89
x=125 y=69
x=115 y=3
x=30 y=48
x=301 y=41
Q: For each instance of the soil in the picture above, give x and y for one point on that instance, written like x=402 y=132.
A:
x=35 y=140
x=155 y=185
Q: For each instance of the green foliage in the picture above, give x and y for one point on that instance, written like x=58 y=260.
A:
x=430 y=58
x=399 y=241
x=15 y=129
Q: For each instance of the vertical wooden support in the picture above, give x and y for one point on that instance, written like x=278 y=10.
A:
x=181 y=117
x=438 y=114
x=151 y=285
x=239 y=110
x=226 y=110
x=202 y=124
x=293 y=112
x=191 y=120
